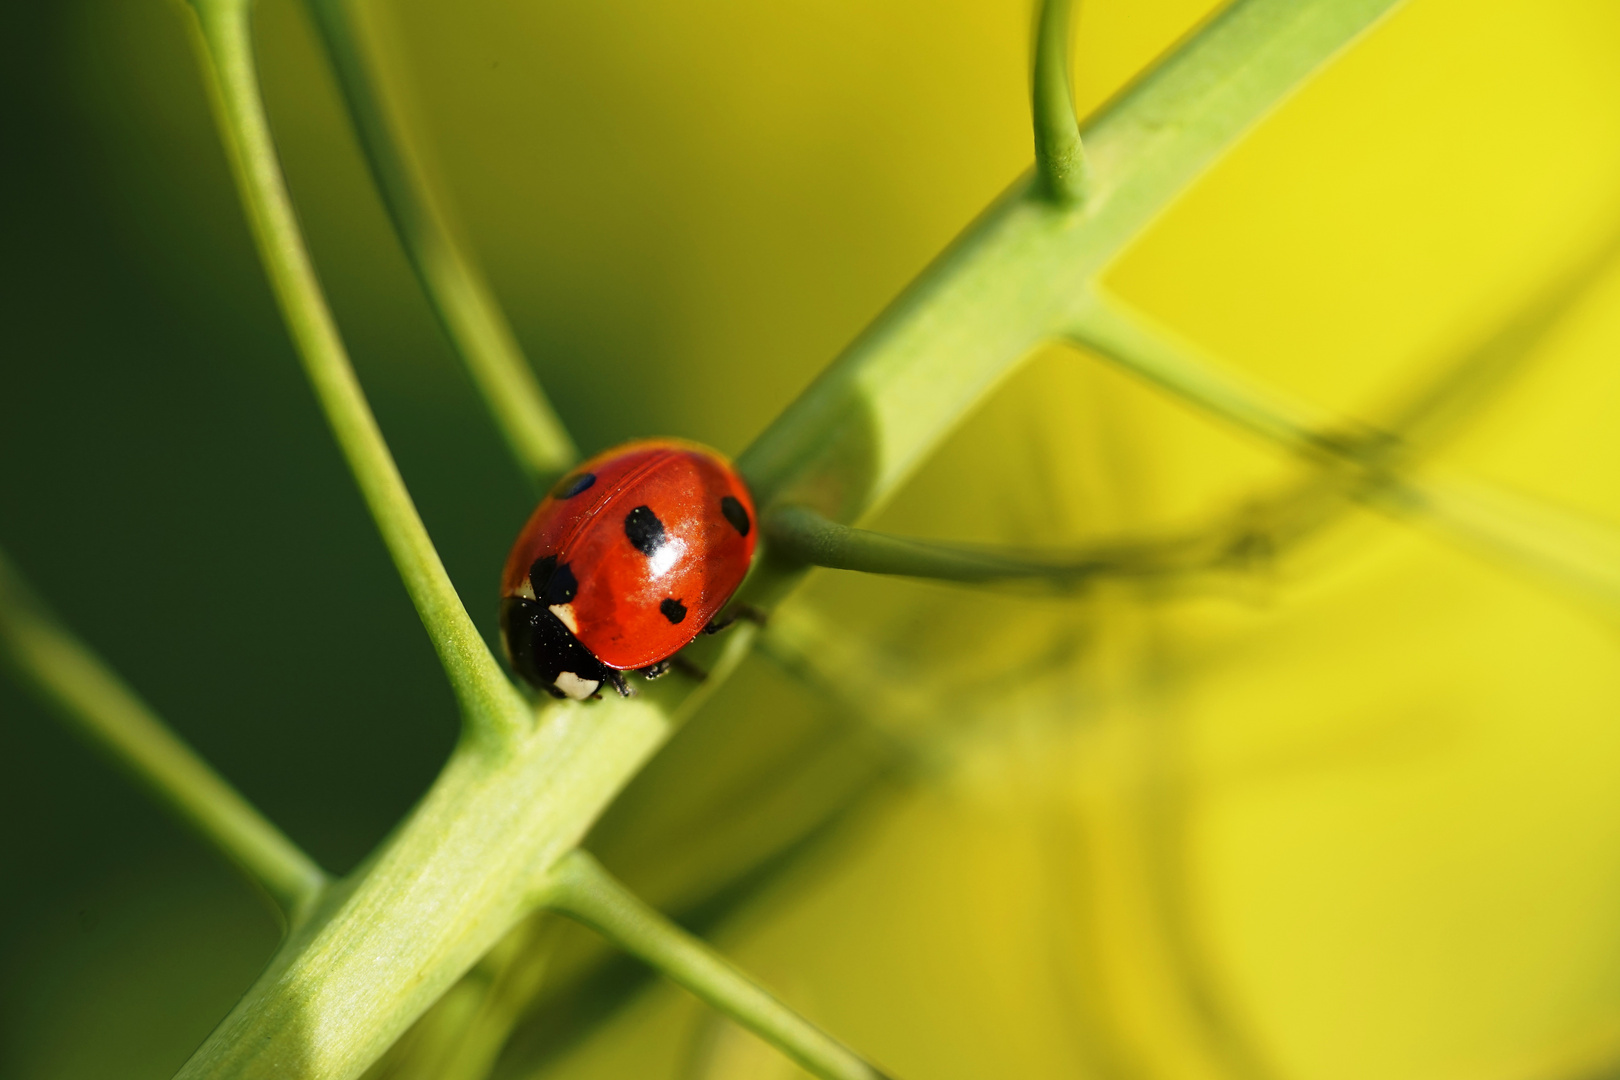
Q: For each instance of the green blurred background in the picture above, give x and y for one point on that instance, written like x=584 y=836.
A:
x=1355 y=818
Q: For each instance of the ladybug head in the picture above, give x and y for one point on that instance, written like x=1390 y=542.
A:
x=546 y=653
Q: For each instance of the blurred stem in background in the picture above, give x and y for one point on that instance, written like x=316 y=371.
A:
x=456 y=289
x=1578 y=557
x=1370 y=465
x=102 y=708
x=1024 y=273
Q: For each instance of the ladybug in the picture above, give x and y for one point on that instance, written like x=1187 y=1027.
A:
x=623 y=563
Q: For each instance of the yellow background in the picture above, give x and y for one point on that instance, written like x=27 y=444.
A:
x=1355 y=817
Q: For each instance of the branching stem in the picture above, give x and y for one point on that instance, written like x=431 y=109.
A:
x=584 y=891
x=488 y=701
x=482 y=845
x=457 y=291
x=90 y=696
x=1018 y=275
x=1060 y=158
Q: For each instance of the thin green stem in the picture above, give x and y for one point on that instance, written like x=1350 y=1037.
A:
x=1137 y=344
x=1562 y=549
x=1413 y=423
x=1060 y=159
x=489 y=703
x=82 y=689
x=456 y=289
x=466 y=866
x=1575 y=555
x=803 y=535
x=584 y=891
x=461 y=871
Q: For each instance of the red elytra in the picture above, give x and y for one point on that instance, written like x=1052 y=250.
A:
x=630 y=556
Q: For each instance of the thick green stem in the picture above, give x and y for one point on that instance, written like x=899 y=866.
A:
x=583 y=890
x=457 y=291
x=488 y=701
x=90 y=696
x=1060 y=159
x=1360 y=463
x=476 y=853
x=468 y=864
x=1019 y=273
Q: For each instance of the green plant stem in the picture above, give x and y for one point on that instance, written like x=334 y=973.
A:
x=466 y=865
x=1576 y=556
x=1060 y=158
x=474 y=856
x=1411 y=425
x=1137 y=344
x=463 y=1034
x=803 y=535
x=1018 y=274
x=102 y=708
x=489 y=704
x=469 y=863
x=1573 y=554
x=584 y=891
x=457 y=291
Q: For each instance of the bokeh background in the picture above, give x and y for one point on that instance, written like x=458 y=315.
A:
x=1355 y=815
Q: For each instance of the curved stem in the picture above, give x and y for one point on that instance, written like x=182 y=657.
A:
x=584 y=891
x=457 y=291
x=90 y=696
x=488 y=701
x=1060 y=159
x=801 y=534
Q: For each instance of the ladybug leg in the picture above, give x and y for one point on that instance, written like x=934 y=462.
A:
x=616 y=679
x=658 y=670
x=747 y=612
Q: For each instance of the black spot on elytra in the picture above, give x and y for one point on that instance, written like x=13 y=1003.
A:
x=673 y=610
x=569 y=486
x=552 y=584
x=540 y=573
x=561 y=588
x=644 y=529
x=732 y=508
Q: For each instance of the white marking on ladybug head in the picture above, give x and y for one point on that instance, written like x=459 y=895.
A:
x=668 y=553
x=575 y=687
x=565 y=612
x=526 y=589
